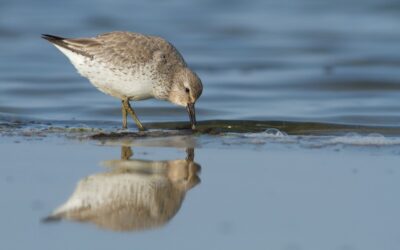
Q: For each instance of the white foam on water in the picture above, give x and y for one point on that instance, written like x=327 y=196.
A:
x=351 y=139
x=269 y=133
x=364 y=140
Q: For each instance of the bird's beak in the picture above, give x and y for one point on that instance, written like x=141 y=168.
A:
x=192 y=114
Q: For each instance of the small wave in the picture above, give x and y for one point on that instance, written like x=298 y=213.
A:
x=269 y=133
x=373 y=139
x=351 y=139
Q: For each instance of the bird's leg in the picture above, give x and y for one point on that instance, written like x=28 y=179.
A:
x=124 y=115
x=129 y=109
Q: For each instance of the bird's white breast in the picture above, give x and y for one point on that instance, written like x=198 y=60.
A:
x=133 y=83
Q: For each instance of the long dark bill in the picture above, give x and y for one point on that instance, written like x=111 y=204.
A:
x=192 y=114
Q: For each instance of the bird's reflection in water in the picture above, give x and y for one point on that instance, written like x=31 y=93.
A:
x=133 y=195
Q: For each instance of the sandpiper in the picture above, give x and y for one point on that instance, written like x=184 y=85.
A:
x=133 y=66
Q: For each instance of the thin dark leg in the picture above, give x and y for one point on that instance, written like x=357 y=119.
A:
x=124 y=115
x=130 y=110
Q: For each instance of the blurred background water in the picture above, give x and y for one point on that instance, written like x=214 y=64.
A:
x=326 y=61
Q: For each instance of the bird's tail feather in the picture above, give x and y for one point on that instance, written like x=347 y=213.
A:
x=57 y=40
x=52 y=38
x=52 y=218
x=75 y=45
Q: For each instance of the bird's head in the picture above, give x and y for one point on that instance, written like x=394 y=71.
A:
x=185 y=90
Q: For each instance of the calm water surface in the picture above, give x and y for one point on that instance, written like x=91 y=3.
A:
x=301 y=61
x=220 y=197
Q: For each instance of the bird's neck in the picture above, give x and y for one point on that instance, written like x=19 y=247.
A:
x=163 y=87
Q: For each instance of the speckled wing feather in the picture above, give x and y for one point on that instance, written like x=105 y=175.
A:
x=128 y=49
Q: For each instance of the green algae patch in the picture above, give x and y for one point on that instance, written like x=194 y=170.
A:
x=99 y=130
x=289 y=127
x=220 y=127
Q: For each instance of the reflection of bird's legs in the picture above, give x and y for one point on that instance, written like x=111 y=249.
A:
x=130 y=110
x=124 y=115
x=192 y=168
x=190 y=154
x=126 y=152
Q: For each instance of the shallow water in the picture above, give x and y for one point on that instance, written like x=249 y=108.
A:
x=221 y=196
x=297 y=146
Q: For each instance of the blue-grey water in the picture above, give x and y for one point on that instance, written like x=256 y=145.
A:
x=330 y=61
x=300 y=61
x=248 y=197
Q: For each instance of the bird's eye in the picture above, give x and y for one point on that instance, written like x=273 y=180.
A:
x=187 y=90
